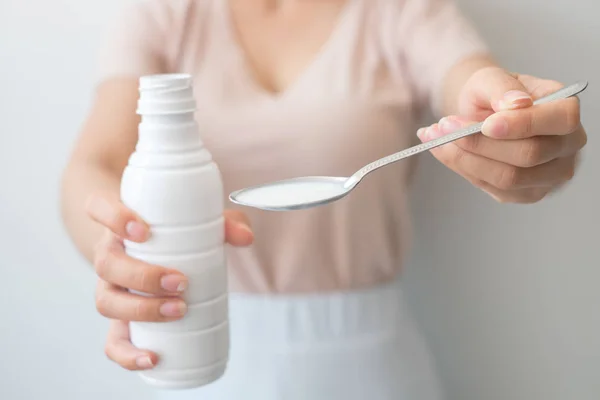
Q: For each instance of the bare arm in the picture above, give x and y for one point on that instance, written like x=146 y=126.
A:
x=98 y=159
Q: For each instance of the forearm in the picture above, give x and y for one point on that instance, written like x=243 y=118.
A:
x=99 y=157
x=456 y=79
x=80 y=180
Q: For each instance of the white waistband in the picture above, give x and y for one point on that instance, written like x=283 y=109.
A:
x=294 y=319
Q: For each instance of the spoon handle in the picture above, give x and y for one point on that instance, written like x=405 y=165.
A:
x=470 y=130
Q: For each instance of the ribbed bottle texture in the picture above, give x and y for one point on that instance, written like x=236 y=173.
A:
x=172 y=182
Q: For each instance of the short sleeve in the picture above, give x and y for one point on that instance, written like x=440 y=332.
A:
x=435 y=36
x=135 y=42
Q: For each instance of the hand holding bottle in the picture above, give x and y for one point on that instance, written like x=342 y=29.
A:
x=118 y=273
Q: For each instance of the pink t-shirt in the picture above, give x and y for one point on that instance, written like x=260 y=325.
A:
x=354 y=103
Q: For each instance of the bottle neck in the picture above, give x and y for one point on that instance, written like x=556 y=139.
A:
x=168 y=126
x=171 y=119
x=166 y=99
x=168 y=133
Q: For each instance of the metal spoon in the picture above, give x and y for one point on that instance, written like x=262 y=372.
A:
x=311 y=191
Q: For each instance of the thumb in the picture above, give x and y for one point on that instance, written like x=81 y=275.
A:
x=237 y=228
x=501 y=90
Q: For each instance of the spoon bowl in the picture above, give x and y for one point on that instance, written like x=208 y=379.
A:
x=293 y=194
x=312 y=191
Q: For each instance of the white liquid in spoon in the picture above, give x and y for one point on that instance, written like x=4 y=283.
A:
x=288 y=194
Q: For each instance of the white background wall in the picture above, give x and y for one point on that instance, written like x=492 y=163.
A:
x=508 y=296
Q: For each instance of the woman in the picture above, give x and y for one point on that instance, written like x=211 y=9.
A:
x=307 y=87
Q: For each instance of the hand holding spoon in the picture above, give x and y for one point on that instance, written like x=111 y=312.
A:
x=313 y=191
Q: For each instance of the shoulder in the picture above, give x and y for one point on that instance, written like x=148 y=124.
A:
x=160 y=14
x=164 y=15
x=408 y=9
x=157 y=27
x=145 y=36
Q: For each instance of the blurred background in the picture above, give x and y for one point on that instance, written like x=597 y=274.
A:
x=507 y=296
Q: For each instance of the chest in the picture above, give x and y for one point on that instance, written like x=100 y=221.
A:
x=241 y=54
x=254 y=145
x=321 y=97
x=280 y=43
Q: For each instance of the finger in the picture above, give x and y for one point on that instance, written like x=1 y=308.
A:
x=117 y=303
x=527 y=152
x=497 y=89
x=120 y=350
x=501 y=175
x=113 y=265
x=513 y=196
x=538 y=87
x=518 y=196
x=447 y=125
x=111 y=213
x=237 y=228
x=559 y=117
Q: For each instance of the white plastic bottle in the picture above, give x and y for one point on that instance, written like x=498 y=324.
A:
x=172 y=182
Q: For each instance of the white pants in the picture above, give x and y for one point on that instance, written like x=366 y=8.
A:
x=349 y=346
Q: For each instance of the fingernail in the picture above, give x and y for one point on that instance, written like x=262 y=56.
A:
x=136 y=230
x=448 y=125
x=433 y=132
x=174 y=283
x=173 y=309
x=144 y=362
x=515 y=99
x=245 y=227
x=495 y=126
x=420 y=133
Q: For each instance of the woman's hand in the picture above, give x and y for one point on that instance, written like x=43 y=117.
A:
x=117 y=273
x=525 y=151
